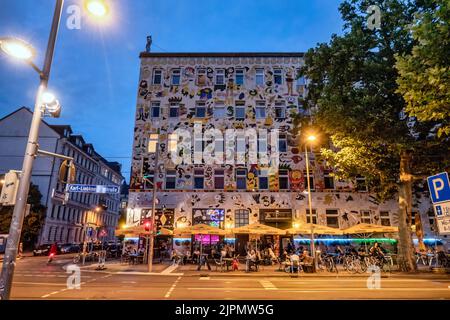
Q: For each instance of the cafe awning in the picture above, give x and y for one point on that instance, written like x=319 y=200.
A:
x=200 y=229
x=366 y=228
x=258 y=228
x=306 y=228
x=131 y=231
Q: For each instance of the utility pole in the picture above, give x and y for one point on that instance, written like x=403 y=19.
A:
x=15 y=230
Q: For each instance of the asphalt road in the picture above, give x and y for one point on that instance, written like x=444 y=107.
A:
x=34 y=279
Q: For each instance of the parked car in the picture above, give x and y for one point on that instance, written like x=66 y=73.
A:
x=70 y=248
x=42 y=250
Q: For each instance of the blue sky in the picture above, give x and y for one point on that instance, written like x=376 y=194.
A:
x=95 y=69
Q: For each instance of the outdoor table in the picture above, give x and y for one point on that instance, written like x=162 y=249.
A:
x=203 y=261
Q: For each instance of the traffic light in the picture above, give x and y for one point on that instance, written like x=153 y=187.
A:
x=147 y=225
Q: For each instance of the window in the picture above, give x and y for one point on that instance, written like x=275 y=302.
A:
x=282 y=143
x=240 y=143
x=263 y=180
x=219 y=111
x=156 y=109
x=220 y=77
x=260 y=110
x=199 y=178
x=218 y=146
x=201 y=77
x=328 y=180
x=200 y=110
x=262 y=144
x=280 y=110
x=385 y=218
x=157 y=76
x=283 y=179
x=301 y=81
x=278 y=76
x=332 y=218
x=361 y=184
x=314 y=216
x=239 y=112
x=239 y=76
x=311 y=180
x=241 y=179
x=241 y=217
x=174 y=110
x=176 y=76
x=170 y=179
x=365 y=216
x=219 y=179
x=259 y=78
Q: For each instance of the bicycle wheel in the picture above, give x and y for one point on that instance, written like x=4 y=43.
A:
x=76 y=259
x=329 y=265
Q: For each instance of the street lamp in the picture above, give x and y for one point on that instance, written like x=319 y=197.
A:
x=311 y=139
x=21 y=50
x=97 y=8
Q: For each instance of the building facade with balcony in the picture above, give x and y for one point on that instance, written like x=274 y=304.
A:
x=237 y=91
x=64 y=222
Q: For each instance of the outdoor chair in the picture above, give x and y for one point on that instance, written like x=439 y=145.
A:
x=295 y=265
x=219 y=263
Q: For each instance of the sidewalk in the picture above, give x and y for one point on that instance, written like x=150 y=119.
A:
x=266 y=271
x=24 y=255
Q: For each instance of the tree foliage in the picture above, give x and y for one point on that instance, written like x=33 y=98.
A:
x=32 y=224
x=424 y=74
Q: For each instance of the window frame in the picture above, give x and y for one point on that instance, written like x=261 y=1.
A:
x=155 y=70
x=219 y=73
x=259 y=74
x=241 y=73
x=170 y=174
x=155 y=105
x=260 y=105
x=200 y=105
x=241 y=173
x=173 y=75
x=278 y=73
x=219 y=173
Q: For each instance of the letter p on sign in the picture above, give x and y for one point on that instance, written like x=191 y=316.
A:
x=439 y=187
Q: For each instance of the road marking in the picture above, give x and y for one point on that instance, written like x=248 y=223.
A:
x=169 y=269
x=137 y=273
x=268 y=285
x=131 y=282
x=325 y=290
x=172 y=288
x=40 y=283
x=204 y=278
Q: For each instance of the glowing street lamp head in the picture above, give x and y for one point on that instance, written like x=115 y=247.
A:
x=311 y=138
x=17 y=48
x=97 y=8
x=48 y=97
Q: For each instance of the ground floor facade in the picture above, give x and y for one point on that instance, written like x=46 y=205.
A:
x=226 y=210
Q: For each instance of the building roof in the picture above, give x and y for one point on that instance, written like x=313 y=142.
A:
x=219 y=54
x=59 y=129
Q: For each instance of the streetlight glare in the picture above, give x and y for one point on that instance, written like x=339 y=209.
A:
x=48 y=97
x=17 y=48
x=311 y=138
x=97 y=8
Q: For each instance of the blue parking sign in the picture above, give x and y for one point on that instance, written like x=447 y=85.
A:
x=439 y=187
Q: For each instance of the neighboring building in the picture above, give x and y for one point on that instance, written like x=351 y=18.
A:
x=237 y=91
x=63 y=223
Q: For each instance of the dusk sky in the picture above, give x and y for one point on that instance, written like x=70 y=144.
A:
x=95 y=69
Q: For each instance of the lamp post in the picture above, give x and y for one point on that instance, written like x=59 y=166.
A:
x=23 y=51
x=310 y=138
x=153 y=147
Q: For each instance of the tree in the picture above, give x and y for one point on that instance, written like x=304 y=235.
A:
x=424 y=74
x=32 y=224
x=354 y=100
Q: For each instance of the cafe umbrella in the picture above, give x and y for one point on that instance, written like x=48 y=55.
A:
x=258 y=229
x=200 y=229
x=365 y=230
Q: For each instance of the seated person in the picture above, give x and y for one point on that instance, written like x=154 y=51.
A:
x=251 y=259
x=272 y=256
x=306 y=258
x=295 y=263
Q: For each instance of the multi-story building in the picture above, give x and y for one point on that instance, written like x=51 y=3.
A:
x=65 y=223
x=237 y=91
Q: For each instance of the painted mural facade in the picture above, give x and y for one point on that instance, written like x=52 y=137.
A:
x=172 y=87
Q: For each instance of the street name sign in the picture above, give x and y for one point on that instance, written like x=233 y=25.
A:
x=439 y=186
x=92 y=188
